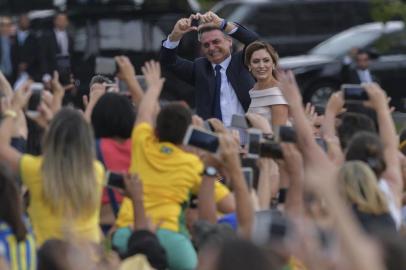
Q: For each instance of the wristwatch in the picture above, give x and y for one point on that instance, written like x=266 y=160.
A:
x=210 y=171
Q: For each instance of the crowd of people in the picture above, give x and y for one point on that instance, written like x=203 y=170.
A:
x=120 y=184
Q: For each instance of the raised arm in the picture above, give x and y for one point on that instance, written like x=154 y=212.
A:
x=10 y=108
x=334 y=106
x=235 y=30
x=148 y=107
x=127 y=74
x=387 y=132
x=168 y=57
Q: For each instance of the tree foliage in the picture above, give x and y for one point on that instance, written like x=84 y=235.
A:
x=385 y=10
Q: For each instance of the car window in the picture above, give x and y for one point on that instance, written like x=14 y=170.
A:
x=273 y=20
x=314 y=18
x=394 y=43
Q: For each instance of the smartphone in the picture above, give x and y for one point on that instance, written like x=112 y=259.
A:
x=115 y=180
x=202 y=139
x=195 y=22
x=271 y=149
x=240 y=121
x=285 y=134
x=249 y=176
x=279 y=229
x=35 y=99
x=354 y=92
x=322 y=143
x=254 y=143
x=63 y=67
x=106 y=66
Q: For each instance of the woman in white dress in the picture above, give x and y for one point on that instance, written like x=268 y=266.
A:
x=266 y=98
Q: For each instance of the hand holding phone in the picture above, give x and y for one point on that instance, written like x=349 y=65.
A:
x=249 y=176
x=254 y=143
x=115 y=180
x=202 y=139
x=354 y=92
x=35 y=99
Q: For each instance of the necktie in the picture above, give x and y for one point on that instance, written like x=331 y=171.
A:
x=217 y=91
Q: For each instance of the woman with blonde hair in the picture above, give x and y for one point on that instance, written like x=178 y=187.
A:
x=65 y=183
x=359 y=186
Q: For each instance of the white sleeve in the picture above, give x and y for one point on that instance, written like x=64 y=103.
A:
x=170 y=44
x=233 y=31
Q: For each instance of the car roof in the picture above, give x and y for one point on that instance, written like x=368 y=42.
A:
x=388 y=27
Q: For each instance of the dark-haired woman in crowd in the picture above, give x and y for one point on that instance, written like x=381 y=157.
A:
x=17 y=244
x=266 y=98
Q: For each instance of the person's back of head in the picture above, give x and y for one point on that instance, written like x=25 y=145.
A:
x=351 y=123
x=241 y=254
x=367 y=147
x=68 y=158
x=53 y=255
x=11 y=204
x=146 y=243
x=172 y=123
x=113 y=116
x=99 y=79
x=360 y=186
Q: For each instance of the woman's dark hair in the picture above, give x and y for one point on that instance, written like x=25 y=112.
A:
x=260 y=45
x=11 y=210
x=351 y=124
x=172 y=123
x=241 y=255
x=113 y=116
x=367 y=147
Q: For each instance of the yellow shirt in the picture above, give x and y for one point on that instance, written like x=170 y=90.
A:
x=169 y=176
x=47 y=224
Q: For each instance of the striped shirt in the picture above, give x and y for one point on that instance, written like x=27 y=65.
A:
x=19 y=255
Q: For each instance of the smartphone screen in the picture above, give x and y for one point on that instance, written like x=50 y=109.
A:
x=201 y=139
x=239 y=121
x=64 y=69
x=254 y=143
x=249 y=176
x=115 y=180
x=285 y=134
x=354 y=92
x=106 y=66
x=35 y=99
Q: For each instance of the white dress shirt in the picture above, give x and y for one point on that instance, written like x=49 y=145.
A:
x=364 y=75
x=63 y=41
x=229 y=102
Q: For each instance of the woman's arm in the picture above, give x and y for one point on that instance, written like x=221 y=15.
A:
x=279 y=114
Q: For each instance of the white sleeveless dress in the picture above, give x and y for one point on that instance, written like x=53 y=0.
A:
x=262 y=100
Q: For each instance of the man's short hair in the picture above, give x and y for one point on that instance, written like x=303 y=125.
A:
x=172 y=123
x=351 y=124
x=208 y=28
x=99 y=79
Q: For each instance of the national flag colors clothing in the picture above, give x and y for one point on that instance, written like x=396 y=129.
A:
x=169 y=176
x=18 y=255
x=47 y=224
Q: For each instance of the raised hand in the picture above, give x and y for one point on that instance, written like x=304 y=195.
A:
x=259 y=122
x=289 y=88
x=182 y=27
x=152 y=74
x=335 y=104
x=211 y=18
x=126 y=69
x=21 y=96
x=377 y=96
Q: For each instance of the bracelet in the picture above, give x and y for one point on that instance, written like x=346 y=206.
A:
x=10 y=113
x=223 y=25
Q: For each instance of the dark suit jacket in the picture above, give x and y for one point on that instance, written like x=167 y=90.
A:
x=200 y=74
x=50 y=49
x=350 y=75
x=27 y=53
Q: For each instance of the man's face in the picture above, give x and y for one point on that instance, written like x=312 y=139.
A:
x=215 y=46
x=61 y=22
x=24 y=22
x=363 y=61
x=6 y=26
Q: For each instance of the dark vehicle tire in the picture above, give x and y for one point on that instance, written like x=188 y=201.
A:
x=319 y=93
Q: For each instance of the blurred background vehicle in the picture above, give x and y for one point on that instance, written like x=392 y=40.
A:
x=295 y=26
x=319 y=72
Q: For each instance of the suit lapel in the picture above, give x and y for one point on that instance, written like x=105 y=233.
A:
x=210 y=80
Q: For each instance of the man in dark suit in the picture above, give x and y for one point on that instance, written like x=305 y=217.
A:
x=358 y=72
x=25 y=50
x=220 y=78
x=56 y=43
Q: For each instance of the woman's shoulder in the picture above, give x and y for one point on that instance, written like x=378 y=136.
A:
x=272 y=91
x=267 y=97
